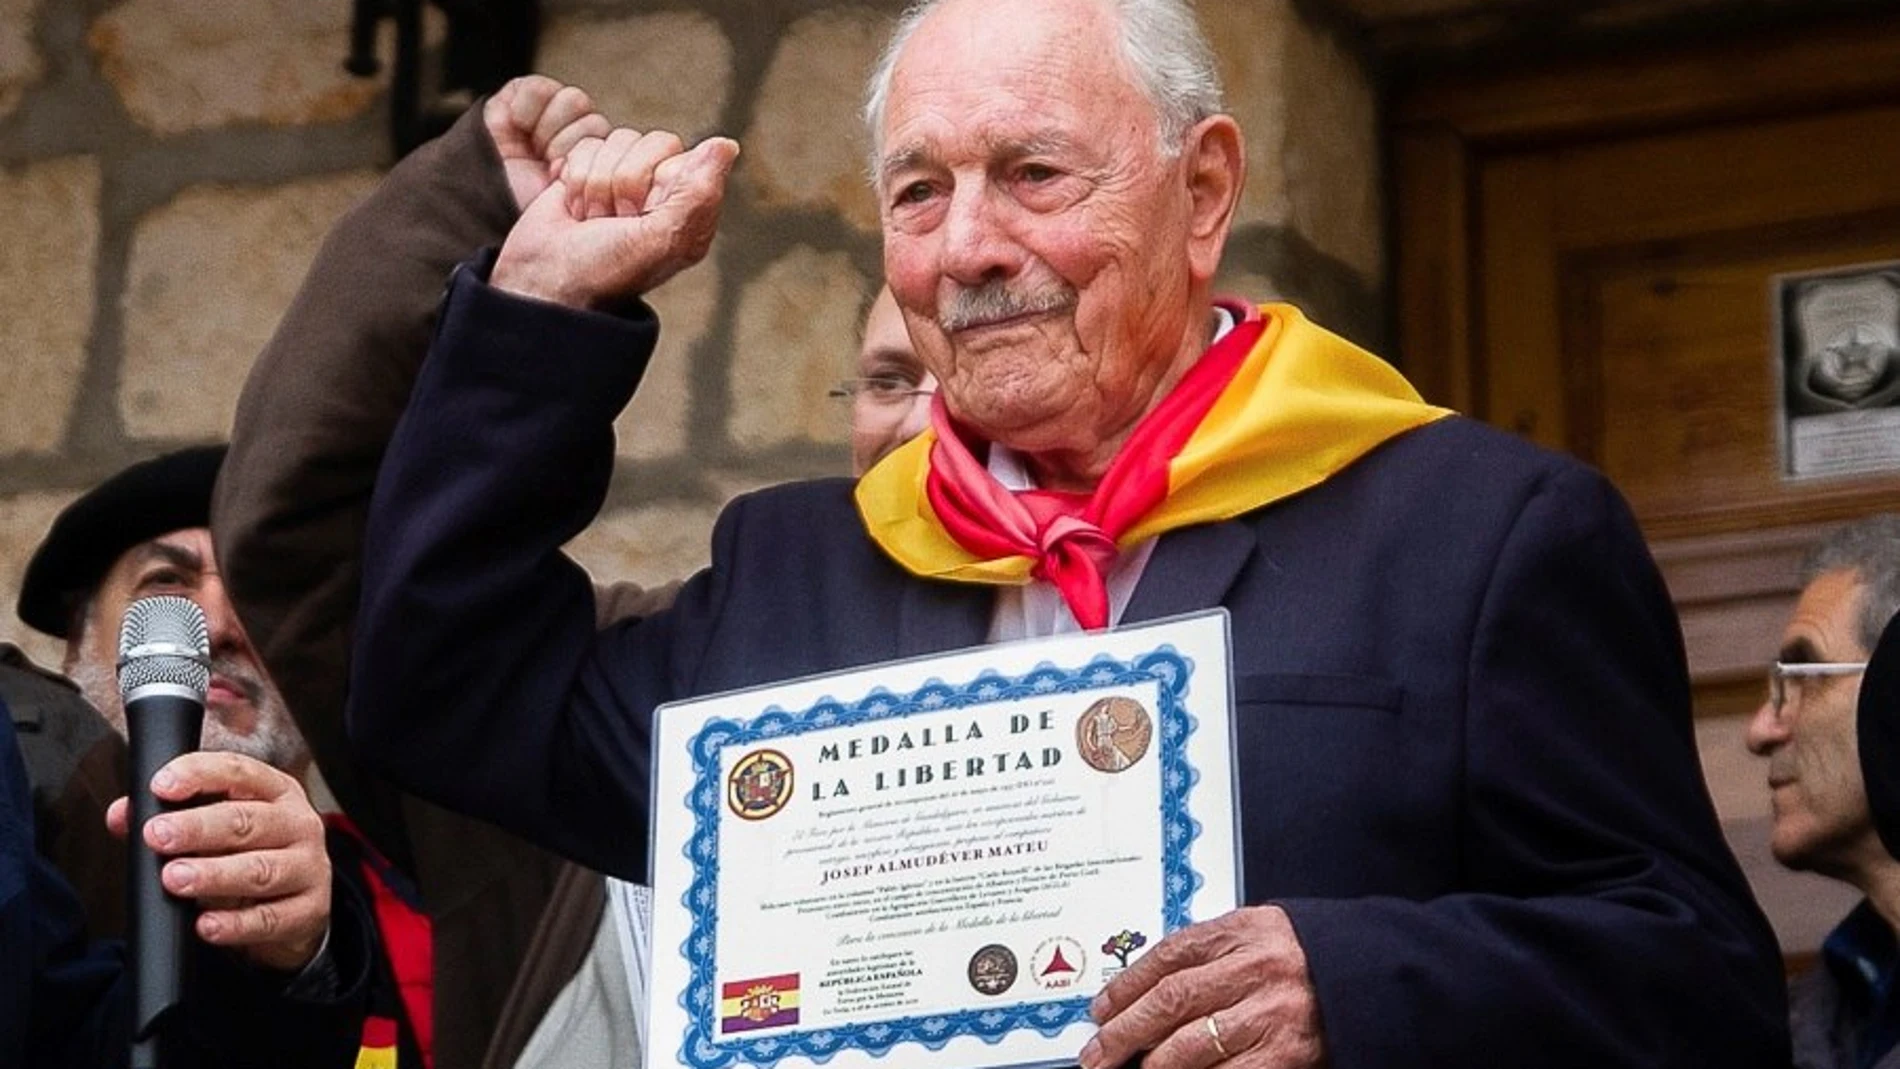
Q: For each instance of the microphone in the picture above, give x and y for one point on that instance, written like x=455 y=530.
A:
x=164 y=671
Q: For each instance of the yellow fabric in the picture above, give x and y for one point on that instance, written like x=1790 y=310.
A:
x=1304 y=405
x=376 y=1058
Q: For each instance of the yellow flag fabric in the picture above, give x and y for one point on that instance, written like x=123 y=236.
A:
x=1303 y=405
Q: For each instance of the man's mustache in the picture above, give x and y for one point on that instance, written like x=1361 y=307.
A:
x=995 y=301
x=240 y=675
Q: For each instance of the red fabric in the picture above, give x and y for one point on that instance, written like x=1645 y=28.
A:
x=379 y=1033
x=1068 y=537
x=408 y=940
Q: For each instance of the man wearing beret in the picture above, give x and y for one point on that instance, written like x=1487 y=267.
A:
x=1844 y=1012
x=256 y=858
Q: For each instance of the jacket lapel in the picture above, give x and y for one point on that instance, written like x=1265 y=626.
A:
x=933 y=617
x=1191 y=569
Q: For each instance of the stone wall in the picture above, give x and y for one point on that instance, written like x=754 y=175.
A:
x=167 y=168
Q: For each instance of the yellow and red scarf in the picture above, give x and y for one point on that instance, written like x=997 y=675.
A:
x=1274 y=407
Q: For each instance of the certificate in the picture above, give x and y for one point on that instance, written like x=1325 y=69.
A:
x=937 y=861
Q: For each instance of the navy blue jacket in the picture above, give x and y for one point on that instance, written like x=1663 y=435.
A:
x=1467 y=770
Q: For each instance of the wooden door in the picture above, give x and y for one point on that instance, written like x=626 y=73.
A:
x=1588 y=256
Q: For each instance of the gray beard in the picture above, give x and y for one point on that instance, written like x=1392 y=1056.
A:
x=276 y=740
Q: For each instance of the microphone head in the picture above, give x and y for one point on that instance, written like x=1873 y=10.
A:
x=164 y=643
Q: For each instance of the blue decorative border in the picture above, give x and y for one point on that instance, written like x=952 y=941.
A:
x=1179 y=830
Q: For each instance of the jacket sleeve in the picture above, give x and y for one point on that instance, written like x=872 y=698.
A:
x=1607 y=923
x=63 y=1001
x=477 y=671
x=314 y=418
x=239 y=1017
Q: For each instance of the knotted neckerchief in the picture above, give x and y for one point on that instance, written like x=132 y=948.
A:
x=1274 y=407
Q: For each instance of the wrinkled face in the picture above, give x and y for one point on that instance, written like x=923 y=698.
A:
x=895 y=405
x=243 y=711
x=1822 y=822
x=1034 y=236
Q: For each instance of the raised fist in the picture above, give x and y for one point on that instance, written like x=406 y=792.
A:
x=625 y=213
x=535 y=122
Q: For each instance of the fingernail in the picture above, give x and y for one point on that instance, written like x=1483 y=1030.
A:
x=182 y=875
x=1098 y=1008
x=164 y=781
x=210 y=927
x=162 y=832
x=1091 y=1055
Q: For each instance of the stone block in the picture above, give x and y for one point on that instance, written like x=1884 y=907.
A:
x=1249 y=39
x=24 y=518
x=669 y=72
x=1332 y=152
x=655 y=423
x=795 y=336
x=1249 y=287
x=728 y=484
x=20 y=63
x=806 y=147
x=1308 y=113
x=49 y=213
x=648 y=546
x=209 y=274
x=183 y=65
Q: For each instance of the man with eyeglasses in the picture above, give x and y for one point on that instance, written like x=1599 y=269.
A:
x=890 y=398
x=1844 y=1012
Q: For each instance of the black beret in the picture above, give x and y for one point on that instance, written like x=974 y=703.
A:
x=149 y=499
x=1879 y=716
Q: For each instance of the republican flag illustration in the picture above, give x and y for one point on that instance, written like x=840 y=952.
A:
x=767 y=1002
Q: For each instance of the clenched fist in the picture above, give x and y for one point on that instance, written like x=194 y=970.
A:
x=626 y=213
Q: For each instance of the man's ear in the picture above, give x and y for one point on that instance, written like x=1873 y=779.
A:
x=1214 y=160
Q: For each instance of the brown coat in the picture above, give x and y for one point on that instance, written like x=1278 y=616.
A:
x=312 y=423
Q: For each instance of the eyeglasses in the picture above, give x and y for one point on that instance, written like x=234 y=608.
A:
x=884 y=391
x=1782 y=673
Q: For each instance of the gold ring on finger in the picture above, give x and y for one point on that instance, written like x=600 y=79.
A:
x=1213 y=1033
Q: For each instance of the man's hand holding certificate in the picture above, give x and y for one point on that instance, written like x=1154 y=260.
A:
x=943 y=860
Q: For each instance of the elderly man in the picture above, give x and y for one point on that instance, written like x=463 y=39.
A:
x=251 y=855
x=1844 y=1012
x=1473 y=828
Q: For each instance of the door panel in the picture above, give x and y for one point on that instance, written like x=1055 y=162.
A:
x=1585 y=256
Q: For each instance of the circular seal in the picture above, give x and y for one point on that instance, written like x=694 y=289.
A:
x=993 y=969
x=1058 y=963
x=759 y=785
x=1113 y=734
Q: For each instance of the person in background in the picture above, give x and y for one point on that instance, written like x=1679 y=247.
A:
x=274 y=876
x=283 y=949
x=891 y=395
x=1845 y=1012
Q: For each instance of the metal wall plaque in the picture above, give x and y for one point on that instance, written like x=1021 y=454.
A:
x=1837 y=366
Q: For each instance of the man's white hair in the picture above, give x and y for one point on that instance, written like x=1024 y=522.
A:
x=1160 y=41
